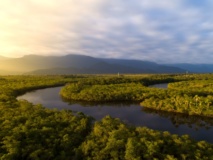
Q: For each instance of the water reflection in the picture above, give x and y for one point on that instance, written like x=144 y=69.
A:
x=177 y=119
x=197 y=127
x=100 y=104
x=162 y=86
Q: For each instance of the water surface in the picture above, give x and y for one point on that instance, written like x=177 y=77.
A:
x=162 y=85
x=197 y=127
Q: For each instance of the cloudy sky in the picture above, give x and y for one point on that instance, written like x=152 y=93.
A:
x=165 y=31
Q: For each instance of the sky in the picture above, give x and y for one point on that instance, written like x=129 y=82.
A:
x=165 y=31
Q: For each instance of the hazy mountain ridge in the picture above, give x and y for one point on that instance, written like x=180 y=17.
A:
x=100 y=68
x=146 y=66
x=35 y=62
x=3 y=58
x=80 y=64
x=195 y=68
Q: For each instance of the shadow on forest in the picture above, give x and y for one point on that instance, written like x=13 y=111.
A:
x=100 y=104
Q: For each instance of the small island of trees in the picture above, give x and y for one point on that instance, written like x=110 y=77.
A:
x=192 y=95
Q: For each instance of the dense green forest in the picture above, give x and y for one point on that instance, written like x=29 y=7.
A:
x=193 y=97
x=106 y=89
x=34 y=132
x=188 y=94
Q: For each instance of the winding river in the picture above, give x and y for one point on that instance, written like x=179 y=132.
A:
x=199 y=128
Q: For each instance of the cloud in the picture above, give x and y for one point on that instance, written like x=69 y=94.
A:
x=42 y=27
x=163 y=31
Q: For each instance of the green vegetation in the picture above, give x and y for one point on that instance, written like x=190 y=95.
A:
x=112 y=139
x=111 y=89
x=188 y=94
x=34 y=132
x=103 y=93
x=191 y=97
x=12 y=86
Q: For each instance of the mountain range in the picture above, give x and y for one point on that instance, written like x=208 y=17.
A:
x=81 y=64
x=3 y=58
x=194 y=68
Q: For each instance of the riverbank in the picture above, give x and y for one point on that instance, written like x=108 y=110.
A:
x=191 y=101
x=198 y=127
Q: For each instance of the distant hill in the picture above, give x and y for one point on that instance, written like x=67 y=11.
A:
x=99 y=68
x=194 y=68
x=4 y=72
x=2 y=69
x=145 y=66
x=3 y=58
x=80 y=64
x=34 y=62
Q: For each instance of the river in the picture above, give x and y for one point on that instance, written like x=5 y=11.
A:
x=198 y=128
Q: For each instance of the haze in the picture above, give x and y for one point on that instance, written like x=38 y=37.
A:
x=177 y=31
